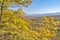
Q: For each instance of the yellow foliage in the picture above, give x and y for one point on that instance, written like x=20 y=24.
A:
x=58 y=38
x=46 y=19
x=14 y=24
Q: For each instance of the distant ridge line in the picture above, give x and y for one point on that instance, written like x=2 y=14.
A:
x=47 y=14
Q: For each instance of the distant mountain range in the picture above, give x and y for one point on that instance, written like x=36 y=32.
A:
x=39 y=15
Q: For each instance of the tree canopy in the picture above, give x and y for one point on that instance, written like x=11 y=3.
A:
x=15 y=26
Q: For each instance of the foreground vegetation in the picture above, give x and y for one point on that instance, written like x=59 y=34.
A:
x=18 y=27
x=15 y=26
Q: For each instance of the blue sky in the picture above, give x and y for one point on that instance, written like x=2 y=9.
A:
x=43 y=6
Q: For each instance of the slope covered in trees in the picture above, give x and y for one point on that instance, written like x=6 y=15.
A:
x=15 y=26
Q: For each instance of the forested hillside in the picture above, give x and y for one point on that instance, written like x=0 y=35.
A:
x=14 y=25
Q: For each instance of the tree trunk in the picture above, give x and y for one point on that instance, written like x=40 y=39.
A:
x=2 y=4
